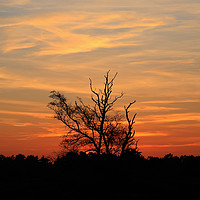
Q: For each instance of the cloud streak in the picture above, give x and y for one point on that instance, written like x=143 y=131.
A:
x=62 y=33
x=31 y=114
x=12 y=3
x=169 y=118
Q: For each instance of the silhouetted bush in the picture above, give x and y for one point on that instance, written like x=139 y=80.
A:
x=99 y=176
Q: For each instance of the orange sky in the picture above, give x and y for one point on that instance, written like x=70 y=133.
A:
x=58 y=45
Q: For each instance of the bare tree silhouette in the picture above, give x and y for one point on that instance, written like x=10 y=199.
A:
x=92 y=128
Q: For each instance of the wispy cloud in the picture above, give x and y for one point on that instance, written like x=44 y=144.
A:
x=61 y=33
x=171 y=101
x=150 y=134
x=168 y=118
x=151 y=108
x=52 y=132
x=169 y=145
x=37 y=115
x=15 y=102
x=11 y=3
x=13 y=80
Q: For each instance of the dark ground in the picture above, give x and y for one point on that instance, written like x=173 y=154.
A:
x=77 y=176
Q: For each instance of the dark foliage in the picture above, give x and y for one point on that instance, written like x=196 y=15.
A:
x=81 y=175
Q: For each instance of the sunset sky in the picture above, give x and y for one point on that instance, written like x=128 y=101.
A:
x=154 y=45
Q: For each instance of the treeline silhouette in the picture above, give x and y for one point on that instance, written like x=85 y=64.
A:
x=81 y=175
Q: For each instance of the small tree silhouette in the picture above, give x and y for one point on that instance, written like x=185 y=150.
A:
x=92 y=128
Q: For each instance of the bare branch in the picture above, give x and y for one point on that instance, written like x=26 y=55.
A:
x=130 y=122
x=91 y=125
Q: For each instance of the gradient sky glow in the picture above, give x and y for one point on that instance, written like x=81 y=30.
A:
x=154 y=45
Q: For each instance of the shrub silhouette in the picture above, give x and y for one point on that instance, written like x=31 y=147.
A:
x=78 y=175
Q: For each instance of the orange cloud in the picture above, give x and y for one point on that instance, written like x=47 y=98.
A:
x=28 y=103
x=16 y=44
x=150 y=134
x=170 y=145
x=57 y=31
x=167 y=118
x=171 y=101
x=150 y=108
x=13 y=2
x=32 y=114
x=13 y=80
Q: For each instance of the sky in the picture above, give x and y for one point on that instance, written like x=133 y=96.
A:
x=154 y=45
